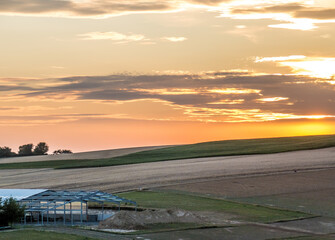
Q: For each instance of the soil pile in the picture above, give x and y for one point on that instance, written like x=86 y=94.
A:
x=139 y=220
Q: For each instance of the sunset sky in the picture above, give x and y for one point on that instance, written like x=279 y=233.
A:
x=101 y=74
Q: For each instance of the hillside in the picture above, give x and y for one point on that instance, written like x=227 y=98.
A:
x=199 y=150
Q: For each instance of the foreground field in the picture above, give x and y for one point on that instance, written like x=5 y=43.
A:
x=248 y=191
x=146 y=175
x=200 y=150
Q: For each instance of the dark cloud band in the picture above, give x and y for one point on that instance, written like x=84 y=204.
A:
x=217 y=91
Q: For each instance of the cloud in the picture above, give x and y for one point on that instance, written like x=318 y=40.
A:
x=208 y=96
x=323 y=14
x=40 y=119
x=175 y=39
x=296 y=15
x=125 y=38
x=304 y=25
x=89 y=8
x=7 y=108
x=279 y=59
x=281 y=8
x=293 y=14
x=114 y=36
x=209 y=2
x=322 y=67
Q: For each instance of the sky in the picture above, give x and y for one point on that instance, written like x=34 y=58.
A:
x=101 y=74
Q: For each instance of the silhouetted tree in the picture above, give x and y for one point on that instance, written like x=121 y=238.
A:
x=26 y=150
x=6 y=152
x=41 y=148
x=10 y=212
x=61 y=151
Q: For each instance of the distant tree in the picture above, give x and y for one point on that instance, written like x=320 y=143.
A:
x=62 y=151
x=41 y=149
x=10 y=212
x=6 y=152
x=26 y=150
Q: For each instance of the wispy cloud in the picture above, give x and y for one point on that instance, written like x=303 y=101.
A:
x=114 y=36
x=126 y=38
x=174 y=39
x=322 y=67
x=87 y=9
x=291 y=14
x=295 y=14
x=279 y=59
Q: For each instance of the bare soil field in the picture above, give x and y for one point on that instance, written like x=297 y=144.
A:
x=310 y=191
x=80 y=156
x=318 y=202
x=157 y=174
x=292 y=182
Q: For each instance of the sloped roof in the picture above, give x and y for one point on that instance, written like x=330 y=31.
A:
x=51 y=199
x=73 y=196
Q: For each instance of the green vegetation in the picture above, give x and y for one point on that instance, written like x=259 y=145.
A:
x=38 y=235
x=10 y=212
x=6 y=152
x=62 y=151
x=242 y=211
x=207 y=149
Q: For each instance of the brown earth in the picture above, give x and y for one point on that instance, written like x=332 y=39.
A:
x=263 y=185
x=163 y=173
x=157 y=174
x=79 y=156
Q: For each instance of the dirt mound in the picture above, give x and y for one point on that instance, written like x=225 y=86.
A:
x=139 y=220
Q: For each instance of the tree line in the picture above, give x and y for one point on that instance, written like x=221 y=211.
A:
x=30 y=150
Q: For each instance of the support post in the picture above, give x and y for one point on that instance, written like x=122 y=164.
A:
x=102 y=217
x=81 y=211
x=42 y=219
x=55 y=214
x=64 y=214
x=71 y=213
x=86 y=212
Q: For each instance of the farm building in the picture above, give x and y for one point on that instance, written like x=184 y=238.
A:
x=67 y=207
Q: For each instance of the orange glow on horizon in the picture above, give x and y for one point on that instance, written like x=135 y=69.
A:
x=91 y=135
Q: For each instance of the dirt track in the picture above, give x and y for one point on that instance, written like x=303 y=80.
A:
x=127 y=177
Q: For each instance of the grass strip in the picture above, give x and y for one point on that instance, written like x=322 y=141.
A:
x=38 y=235
x=243 y=211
